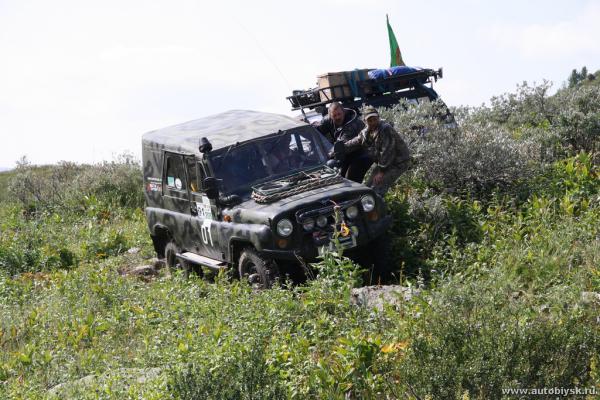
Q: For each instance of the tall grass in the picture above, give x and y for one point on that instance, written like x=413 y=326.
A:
x=497 y=223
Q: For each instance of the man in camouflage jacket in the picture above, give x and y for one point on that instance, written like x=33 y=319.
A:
x=343 y=125
x=386 y=148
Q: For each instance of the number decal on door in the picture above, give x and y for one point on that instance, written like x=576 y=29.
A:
x=205 y=231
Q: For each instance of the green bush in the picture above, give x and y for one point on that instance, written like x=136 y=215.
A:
x=480 y=337
x=241 y=374
x=67 y=187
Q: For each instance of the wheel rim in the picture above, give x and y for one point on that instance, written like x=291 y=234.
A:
x=252 y=276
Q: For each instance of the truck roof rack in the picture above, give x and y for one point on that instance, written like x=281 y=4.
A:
x=376 y=92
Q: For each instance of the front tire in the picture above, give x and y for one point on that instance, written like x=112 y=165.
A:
x=383 y=270
x=260 y=272
x=378 y=261
x=173 y=262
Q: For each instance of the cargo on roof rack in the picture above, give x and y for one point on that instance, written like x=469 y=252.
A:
x=377 y=87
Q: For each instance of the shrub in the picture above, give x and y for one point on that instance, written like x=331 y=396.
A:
x=483 y=336
x=475 y=158
x=241 y=374
x=578 y=121
x=65 y=187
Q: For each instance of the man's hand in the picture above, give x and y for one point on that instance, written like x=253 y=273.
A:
x=378 y=178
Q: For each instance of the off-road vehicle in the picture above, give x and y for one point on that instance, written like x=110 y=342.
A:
x=253 y=193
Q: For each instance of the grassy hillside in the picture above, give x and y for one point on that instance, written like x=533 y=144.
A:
x=496 y=225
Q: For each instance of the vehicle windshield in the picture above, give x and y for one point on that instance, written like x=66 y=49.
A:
x=239 y=167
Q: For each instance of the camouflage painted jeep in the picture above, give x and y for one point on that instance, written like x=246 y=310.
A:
x=252 y=192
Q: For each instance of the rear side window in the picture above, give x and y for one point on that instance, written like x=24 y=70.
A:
x=174 y=173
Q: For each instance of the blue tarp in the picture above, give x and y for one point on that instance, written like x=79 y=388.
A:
x=393 y=71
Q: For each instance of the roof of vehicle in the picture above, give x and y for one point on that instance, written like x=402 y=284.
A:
x=221 y=130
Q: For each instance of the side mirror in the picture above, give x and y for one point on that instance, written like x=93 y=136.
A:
x=211 y=187
x=205 y=146
x=339 y=151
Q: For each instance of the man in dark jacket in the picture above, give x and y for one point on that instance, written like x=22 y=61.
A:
x=343 y=125
x=387 y=149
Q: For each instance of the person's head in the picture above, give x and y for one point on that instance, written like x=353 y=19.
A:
x=371 y=117
x=336 y=113
x=282 y=148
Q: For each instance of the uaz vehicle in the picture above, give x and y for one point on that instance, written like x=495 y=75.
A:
x=252 y=192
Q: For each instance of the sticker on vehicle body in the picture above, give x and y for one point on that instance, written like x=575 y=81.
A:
x=204 y=209
x=153 y=187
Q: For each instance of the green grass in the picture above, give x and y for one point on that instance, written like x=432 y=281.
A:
x=508 y=279
x=5 y=177
x=502 y=308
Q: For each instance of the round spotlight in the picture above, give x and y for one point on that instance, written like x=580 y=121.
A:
x=322 y=221
x=352 y=212
x=308 y=224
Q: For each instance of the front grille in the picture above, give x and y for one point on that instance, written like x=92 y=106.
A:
x=327 y=210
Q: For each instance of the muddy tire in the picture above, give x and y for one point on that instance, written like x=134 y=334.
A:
x=174 y=263
x=377 y=260
x=382 y=260
x=259 y=271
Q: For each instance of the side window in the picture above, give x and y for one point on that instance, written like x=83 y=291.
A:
x=174 y=173
x=192 y=173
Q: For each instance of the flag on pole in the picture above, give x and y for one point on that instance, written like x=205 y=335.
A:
x=396 y=56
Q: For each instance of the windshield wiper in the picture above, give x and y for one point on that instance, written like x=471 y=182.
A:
x=231 y=146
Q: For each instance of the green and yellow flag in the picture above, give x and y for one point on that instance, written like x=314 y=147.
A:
x=396 y=56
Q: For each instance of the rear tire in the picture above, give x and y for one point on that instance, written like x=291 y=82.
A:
x=260 y=272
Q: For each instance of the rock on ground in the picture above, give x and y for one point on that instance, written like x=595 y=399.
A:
x=377 y=296
x=127 y=377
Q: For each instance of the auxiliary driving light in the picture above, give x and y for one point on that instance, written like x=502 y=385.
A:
x=308 y=224
x=352 y=212
x=322 y=221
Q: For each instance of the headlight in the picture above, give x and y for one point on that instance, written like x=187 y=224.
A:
x=368 y=203
x=352 y=212
x=308 y=224
x=285 y=227
x=322 y=221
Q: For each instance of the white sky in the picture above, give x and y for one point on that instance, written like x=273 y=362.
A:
x=83 y=80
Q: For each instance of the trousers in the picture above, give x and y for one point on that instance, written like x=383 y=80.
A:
x=390 y=176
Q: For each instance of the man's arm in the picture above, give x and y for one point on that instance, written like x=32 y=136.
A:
x=352 y=130
x=325 y=126
x=388 y=137
x=356 y=142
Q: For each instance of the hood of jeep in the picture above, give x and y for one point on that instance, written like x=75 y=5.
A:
x=253 y=212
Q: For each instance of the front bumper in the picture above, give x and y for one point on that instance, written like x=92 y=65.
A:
x=309 y=251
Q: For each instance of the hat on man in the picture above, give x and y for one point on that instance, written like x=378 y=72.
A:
x=369 y=111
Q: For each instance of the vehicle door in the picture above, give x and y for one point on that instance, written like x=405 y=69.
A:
x=203 y=221
x=176 y=201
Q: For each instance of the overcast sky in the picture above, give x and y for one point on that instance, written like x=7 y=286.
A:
x=82 y=80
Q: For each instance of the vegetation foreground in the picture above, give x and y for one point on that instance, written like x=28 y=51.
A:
x=496 y=225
